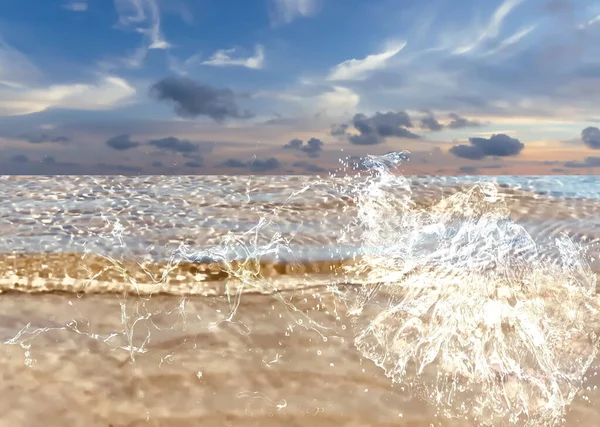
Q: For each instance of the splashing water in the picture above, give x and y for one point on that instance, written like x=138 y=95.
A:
x=464 y=308
x=457 y=302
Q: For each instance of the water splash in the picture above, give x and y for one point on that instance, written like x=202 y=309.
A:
x=465 y=308
x=458 y=302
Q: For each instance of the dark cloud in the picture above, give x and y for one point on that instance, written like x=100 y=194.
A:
x=591 y=137
x=157 y=164
x=193 y=164
x=233 y=163
x=589 y=162
x=175 y=145
x=49 y=160
x=313 y=146
x=264 y=165
x=468 y=170
x=373 y=130
x=458 y=122
x=122 y=142
x=294 y=144
x=40 y=139
x=309 y=167
x=339 y=130
x=499 y=145
x=192 y=99
x=20 y=158
x=430 y=122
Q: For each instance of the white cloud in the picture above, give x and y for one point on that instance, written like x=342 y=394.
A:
x=222 y=58
x=491 y=28
x=286 y=11
x=514 y=39
x=357 y=69
x=76 y=6
x=105 y=93
x=136 y=12
x=591 y=22
x=337 y=102
x=16 y=70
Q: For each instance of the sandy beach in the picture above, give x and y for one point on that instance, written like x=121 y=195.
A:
x=262 y=369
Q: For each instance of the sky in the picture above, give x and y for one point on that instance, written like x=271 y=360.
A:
x=297 y=86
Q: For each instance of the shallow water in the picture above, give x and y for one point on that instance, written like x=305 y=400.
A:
x=105 y=319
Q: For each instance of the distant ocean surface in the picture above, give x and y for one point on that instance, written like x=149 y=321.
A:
x=146 y=218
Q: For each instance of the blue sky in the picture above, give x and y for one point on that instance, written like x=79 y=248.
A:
x=207 y=86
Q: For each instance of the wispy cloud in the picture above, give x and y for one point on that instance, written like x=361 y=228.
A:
x=514 y=39
x=591 y=22
x=133 y=13
x=104 y=93
x=286 y=11
x=223 y=58
x=16 y=70
x=76 y=6
x=357 y=69
x=492 y=27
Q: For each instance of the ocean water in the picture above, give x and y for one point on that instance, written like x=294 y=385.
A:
x=359 y=300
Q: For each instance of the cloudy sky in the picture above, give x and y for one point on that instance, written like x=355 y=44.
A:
x=292 y=86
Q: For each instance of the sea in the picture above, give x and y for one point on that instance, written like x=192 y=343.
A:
x=369 y=299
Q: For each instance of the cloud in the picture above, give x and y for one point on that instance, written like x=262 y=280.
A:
x=309 y=167
x=313 y=146
x=43 y=138
x=76 y=6
x=233 y=163
x=103 y=94
x=157 y=164
x=20 y=158
x=472 y=170
x=589 y=162
x=264 y=165
x=458 y=122
x=339 y=130
x=133 y=13
x=286 y=11
x=294 y=144
x=591 y=137
x=222 y=58
x=499 y=145
x=194 y=164
x=175 y=145
x=430 y=122
x=514 y=39
x=491 y=29
x=193 y=99
x=338 y=101
x=358 y=69
x=16 y=70
x=373 y=130
x=122 y=143
x=51 y=161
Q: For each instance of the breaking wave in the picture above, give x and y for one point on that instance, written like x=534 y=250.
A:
x=463 y=306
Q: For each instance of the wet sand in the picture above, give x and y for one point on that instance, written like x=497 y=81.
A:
x=262 y=369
